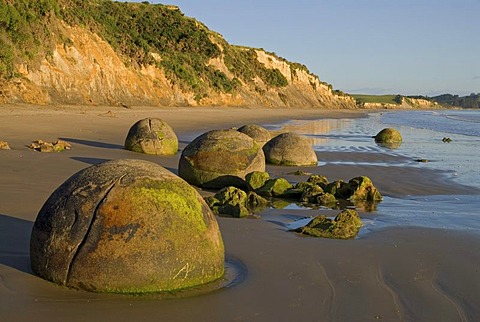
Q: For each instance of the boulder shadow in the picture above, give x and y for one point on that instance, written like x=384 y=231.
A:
x=91 y=161
x=15 y=243
x=96 y=144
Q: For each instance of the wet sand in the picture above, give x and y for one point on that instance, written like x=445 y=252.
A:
x=397 y=274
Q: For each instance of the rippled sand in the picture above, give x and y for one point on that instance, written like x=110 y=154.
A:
x=395 y=274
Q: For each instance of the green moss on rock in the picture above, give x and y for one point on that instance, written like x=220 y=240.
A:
x=152 y=136
x=274 y=187
x=126 y=226
x=346 y=225
x=362 y=188
x=389 y=137
x=256 y=179
x=220 y=158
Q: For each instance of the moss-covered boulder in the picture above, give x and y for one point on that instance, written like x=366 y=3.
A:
x=220 y=158
x=256 y=179
x=152 y=136
x=362 y=188
x=290 y=149
x=126 y=226
x=256 y=132
x=389 y=137
x=346 y=225
x=274 y=187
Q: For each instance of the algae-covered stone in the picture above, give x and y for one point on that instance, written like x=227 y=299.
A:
x=220 y=158
x=256 y=132
x=339 y=188
x=389 y=137
x=290 y=149
x=310 y=193
x=362 y=188
x=326 y=199
x=346 y=225
x=229 y=201
x=256 y=202
x=274 y=187
x=256 y=179
x=126 y=226
x=152 y=136
x=317 y=179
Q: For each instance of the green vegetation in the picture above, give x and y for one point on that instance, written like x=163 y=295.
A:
x=471 y=101
x=29 y=30
x=24 y=34
x=382 y=99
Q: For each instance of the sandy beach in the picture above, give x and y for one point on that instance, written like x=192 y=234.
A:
x=396 y=274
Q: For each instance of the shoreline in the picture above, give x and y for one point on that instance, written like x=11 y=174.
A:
x=396 y=273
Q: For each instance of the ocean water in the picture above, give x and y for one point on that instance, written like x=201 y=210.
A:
x=422 y=133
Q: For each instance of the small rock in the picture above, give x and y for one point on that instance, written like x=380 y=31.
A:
x=256 y=179
x=56 y=146
x=346 y=225
x=446 y=140
x=274 y=187
x=4 y=145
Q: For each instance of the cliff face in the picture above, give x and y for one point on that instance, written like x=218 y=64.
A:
x=407 y=103
x=88 y=70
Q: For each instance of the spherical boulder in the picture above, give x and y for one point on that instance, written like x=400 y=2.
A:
x=290 y=149
x=126 y=226
x=256 y=132
x=152 y=136
x=220 y=158
x=389 y=137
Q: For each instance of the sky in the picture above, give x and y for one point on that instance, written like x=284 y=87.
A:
x=407 y=47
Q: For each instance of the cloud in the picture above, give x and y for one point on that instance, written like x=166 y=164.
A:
x=476 y=77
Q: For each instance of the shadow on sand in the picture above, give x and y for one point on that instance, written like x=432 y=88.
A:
x=15 y=243
x=96 y=144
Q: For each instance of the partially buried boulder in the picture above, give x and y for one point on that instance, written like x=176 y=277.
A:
x=152 y=136
x=126 y=226
x=290 y=149
x=389 y=137
x=256 y=132
x=346 y=225
x=220 y=158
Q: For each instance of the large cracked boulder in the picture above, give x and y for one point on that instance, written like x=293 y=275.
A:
x=256 y=132
x=290 y=149
x=152 y=136
x=126 y=226
x=220 y=158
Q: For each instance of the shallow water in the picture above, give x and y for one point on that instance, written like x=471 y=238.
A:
x=422 y=133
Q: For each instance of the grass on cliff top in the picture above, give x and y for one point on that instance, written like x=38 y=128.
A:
x=29 y=31
x=381 y=99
